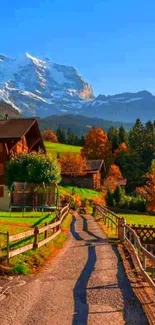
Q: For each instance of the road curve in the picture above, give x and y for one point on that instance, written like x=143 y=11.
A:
x=84 y=284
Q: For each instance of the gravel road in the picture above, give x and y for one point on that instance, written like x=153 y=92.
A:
x=84 y=284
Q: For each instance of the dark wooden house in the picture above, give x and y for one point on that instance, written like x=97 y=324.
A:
x=17 y=136
x=92 y=178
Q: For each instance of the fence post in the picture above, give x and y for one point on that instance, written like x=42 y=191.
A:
x=121 y=228
x=35 y=244
x=144 y=262
x=94 y=210
x=7 y=238
x=45 y=234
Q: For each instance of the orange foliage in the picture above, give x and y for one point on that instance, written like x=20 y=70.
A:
x=49 y=135
x=111 y=181
x=99 y=200
x=73 y=164
x=115 y=172
x=148 y=191
x=96 y=144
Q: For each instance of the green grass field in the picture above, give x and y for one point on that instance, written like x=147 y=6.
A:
x=16 y=223
x=55 y=148
x=84 y=193
x=138 y=219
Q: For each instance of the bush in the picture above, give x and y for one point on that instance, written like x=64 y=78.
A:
x=117 y=195
x=110 y=198
x=32 y=168
x=21 y=269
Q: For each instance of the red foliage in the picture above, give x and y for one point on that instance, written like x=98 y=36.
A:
x=49 y=135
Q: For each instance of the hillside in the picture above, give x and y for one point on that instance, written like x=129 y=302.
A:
x=59 y=148
x=78 y=124
x=40 y=87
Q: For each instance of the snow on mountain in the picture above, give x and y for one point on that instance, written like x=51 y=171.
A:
x=39 y=87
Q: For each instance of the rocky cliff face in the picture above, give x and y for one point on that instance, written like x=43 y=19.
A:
x=39 y=87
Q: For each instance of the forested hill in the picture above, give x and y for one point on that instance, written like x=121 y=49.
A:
x=79 y=124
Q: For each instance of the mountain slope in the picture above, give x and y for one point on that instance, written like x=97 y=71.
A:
x=79 y=124
x=9 y=110
x=39 y=87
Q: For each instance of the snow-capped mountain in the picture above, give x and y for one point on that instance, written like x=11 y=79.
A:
x=39 y=87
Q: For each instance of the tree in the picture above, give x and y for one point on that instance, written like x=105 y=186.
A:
x=136 y=137
x=61 y=135
x=72 y=138
x=113 y=136
x=32 y=168
x=73 y=164
x=97 y=146
x=148 y=191
x=115 y=172
x=49 y=135
x=123 y=135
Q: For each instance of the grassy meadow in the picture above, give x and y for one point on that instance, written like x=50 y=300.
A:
x=138 y=219
x=59 y=148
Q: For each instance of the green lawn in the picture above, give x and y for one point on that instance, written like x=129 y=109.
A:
x=16 y=223
x=60 y=148
x=84 y=193
x=138 y=219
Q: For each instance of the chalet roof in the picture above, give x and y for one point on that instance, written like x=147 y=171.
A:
x=15 y=128
x=96 y=165
x=122 y=182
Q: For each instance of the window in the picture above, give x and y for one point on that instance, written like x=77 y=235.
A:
x=1 y=169
x=1 y=191
x=1 y=147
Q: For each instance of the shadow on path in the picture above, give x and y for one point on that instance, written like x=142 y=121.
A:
x=85 y=229
x=73 y=231
x=80 y=296
x=132 y=312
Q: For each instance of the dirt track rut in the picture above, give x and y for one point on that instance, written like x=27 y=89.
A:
x=84 y=284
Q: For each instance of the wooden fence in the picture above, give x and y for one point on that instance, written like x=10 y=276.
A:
x=128 y=235
x=54 y=229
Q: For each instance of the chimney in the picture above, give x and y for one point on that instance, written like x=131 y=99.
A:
x=6 y=116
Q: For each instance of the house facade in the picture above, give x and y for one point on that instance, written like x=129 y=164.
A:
x=16 y=136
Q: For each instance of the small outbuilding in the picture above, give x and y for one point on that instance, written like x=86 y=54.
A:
x=92 y=178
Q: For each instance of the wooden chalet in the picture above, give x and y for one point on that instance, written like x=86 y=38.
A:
x=17 y=136
x=92 y=178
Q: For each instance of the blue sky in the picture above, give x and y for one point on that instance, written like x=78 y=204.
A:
x=110 y=42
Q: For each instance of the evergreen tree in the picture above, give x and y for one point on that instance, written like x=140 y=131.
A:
x=123 y=135
x=113 y=137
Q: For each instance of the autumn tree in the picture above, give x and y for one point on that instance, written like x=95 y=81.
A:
x=49 y=135
x=111 y=181
x=73 y=164
x=97 y=146
x=148 y=191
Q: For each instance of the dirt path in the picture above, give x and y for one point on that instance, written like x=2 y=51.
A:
x=85 y=284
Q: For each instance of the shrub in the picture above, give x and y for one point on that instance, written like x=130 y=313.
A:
x=21 y=269
x=110 y=198
x=118 y=194
x=32 y=168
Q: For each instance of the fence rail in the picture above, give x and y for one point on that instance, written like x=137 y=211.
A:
x=54 y=227
x=129 y=237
